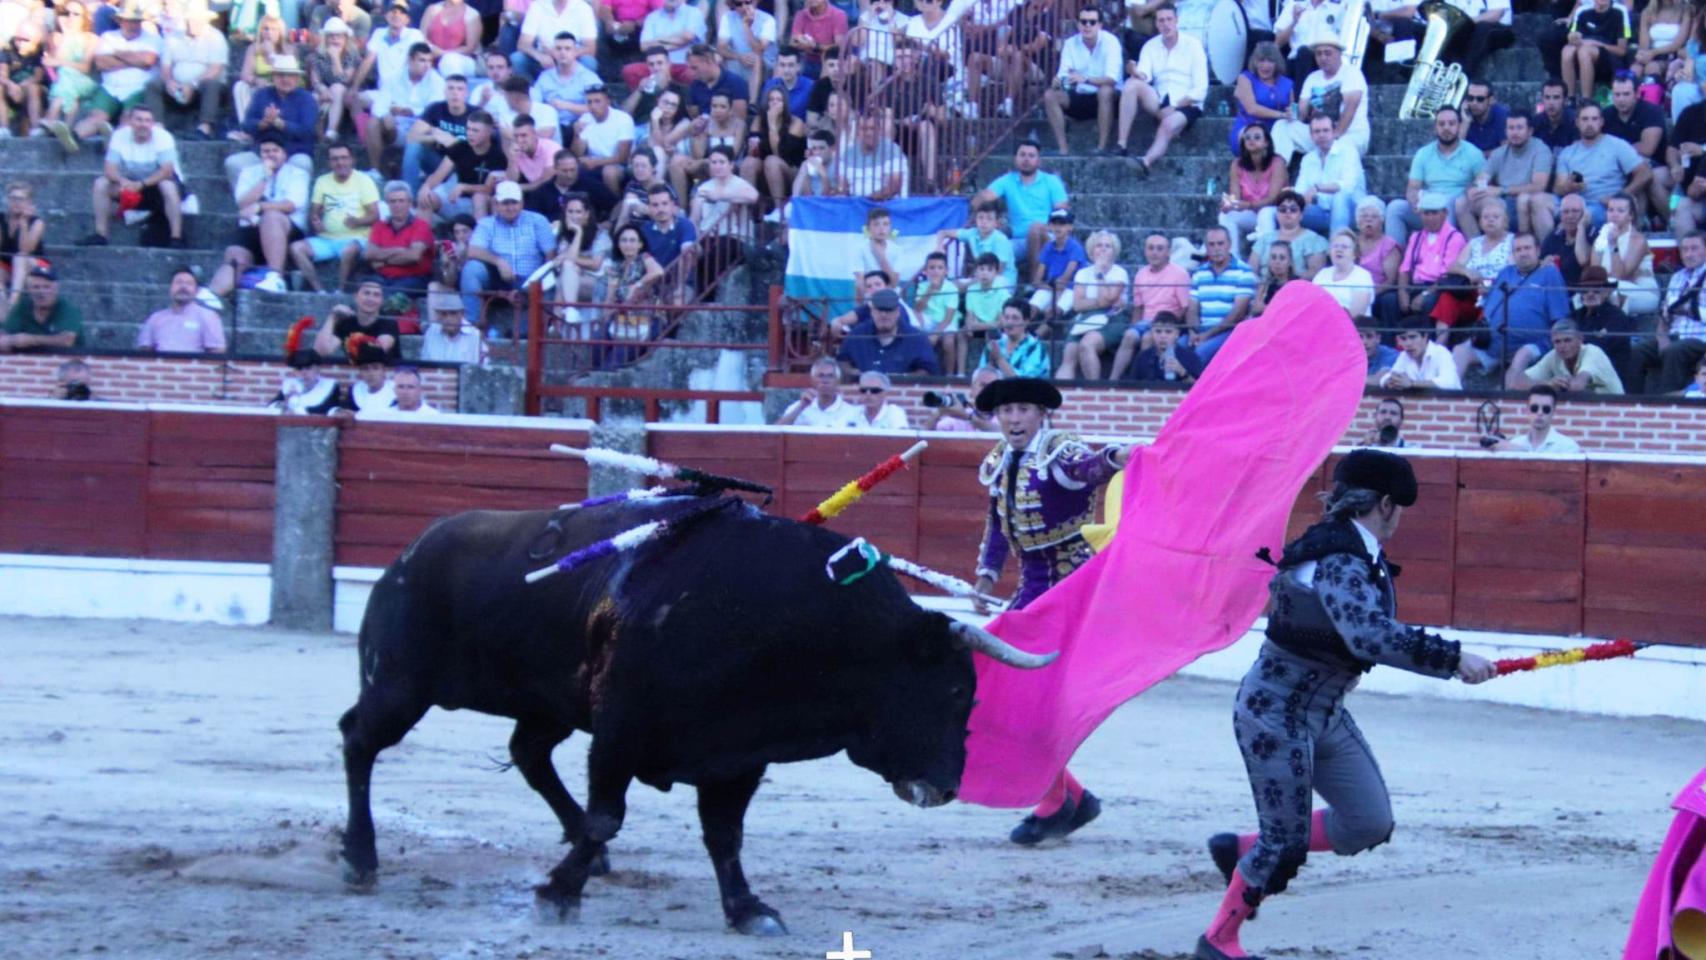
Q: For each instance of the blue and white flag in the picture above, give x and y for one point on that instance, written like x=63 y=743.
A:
x=828 y=246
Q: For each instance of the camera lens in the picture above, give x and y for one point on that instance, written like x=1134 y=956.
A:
x=933 y=399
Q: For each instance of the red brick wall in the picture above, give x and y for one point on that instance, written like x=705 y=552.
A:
x=185 y=380
x=1651 y=427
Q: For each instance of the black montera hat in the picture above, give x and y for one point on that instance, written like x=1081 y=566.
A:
x=301 y=359
x=370 y=353
x=1385 y=473
x=1019 y=390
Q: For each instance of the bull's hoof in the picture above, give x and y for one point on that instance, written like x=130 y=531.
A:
x=762 y=925
x=551 y=907
x=358 y=879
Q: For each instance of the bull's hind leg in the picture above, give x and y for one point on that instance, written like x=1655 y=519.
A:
x=530 y=747
x=376 y=722
x=722 y=816
x=608 y=775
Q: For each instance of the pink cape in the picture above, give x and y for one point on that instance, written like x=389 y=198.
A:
x=1671 y=917
x=1180 y=577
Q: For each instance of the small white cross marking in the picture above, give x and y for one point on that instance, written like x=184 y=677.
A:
x=847 y=952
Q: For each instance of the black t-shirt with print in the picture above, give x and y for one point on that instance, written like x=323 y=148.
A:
x=473 y=168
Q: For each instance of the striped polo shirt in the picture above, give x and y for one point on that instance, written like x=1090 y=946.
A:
x=1215 y=293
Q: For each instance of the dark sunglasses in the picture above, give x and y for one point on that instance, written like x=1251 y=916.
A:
x=1539 y=408
x=871 y=389
x=1088 y=21
x=1473 y=98
x=1289 y=208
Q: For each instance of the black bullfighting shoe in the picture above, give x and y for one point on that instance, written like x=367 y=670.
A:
x=1208 y=951
x=1223 y=849
x=1089 y=808
x=1034 y=830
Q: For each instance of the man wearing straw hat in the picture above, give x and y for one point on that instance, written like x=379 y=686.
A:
x=131 y=76
x=285 y=111
x=1042 y=490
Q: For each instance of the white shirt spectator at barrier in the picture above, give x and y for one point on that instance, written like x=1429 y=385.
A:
x=839 y=414
x=890 y=417
x=1437 y=368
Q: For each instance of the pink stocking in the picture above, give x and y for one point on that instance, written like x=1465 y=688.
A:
x=1065 y=786
x=1222 y=933
x=1318 y=841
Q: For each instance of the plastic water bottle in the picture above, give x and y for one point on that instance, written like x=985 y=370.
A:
x=1213 y=187
x=1167 y=372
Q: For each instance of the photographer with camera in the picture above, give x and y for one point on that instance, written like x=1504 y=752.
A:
x=957 y=412
x=822 y=404
x=1388 y=429
x=72 y=382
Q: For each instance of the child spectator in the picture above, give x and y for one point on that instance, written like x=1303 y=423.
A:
x=982 y=237
x=1168 y=360
x=937 y=304
x=985 y=298
x=1057 y=263
x=874 y=255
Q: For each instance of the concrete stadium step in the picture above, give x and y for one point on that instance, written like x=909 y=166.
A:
x=28 y=154
x=69 y=190
x=208 y=234
x=1177 y=175
x=1209 y=138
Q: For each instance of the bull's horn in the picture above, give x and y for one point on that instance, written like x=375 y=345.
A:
x=982 y=641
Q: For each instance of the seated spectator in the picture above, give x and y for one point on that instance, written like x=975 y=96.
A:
x=985 y=297
x=874 y=35
x=1380 y=356
x=1159 y=286
x=1030 y=195
x=1621 y=248
x=465 y=179
x=794 y=84
x=507 y=247
x=861 y=313
x=304 y=391
x=1486 y=254
x=1526 y=298
x=582 y=249
x=910 y=104
x=723 y=214
x=270 y=43
x=1087 y=83
x=514 y=100
x=819 y=30
x=1169 y=82
x=1602 y=322
x=709 y=79
x=821 y=404
x=21 y=235
x=746 y=41
x=390 y=51
x=1445 y=167
x=620 y=22
x=453 y=29
x=567 y=180
x=1169 y=359
x=140 y=173
x=1300 y=29
x=720 y=128
x=1540 y=437
x=22 y=77
x=1344 y=279
x=272 y=210
x=874 y=412
x=437 y=128
x=818 y=176
x=870 y=166
x=1598 y=166
x=71 y=382
x=1388 y=429
x=1518 y=176
x=408 y=400
x=1254 y=182
x=342 y=209
x=1428 y=256
x=1596 y=48
x=363 y=317
x=563 y=87
x=372 y=390
x=128 y=60
x=536 y=50
x=604 y=139
x=1573 y=227
x=654 y=122
x=1484 y=117
x=1220 y=295
x=874 y=251
x=936 y=303
x=1662 y=38
x=532 y=159
x=959 y=413
x=192 y=69
x=630 y=276
x=1572 y=366
x=1377 y=253
x=1421 y=363
x=667 y=232
x=1308 y=248
x=1334 y=89
x=42 y=320
x=673 y=28
x=284 y=112
x=72 y=47
x=400 y=247
x=879 y=344
x=1279 y=270
x=1687 y=148
x=1100 y=309
x=332 y=69
x=1555 y=121
x=1694 y=391
x=449 y=338
x=1262 y=93
x=1016 y=351
x=1330 y=179
x=1054 y=267
x=1641 y=125
x=983 y=237
x=399 y=106
x=1664 y=363
x=186 y=326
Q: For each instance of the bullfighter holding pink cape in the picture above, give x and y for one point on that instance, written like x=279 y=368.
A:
x=1670 y=921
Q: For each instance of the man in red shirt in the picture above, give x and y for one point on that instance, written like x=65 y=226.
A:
x=400 y=246
x=815 y=29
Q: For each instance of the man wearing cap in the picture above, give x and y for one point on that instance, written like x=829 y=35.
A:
x=1572 y=365
x=1422 y=364
x=506 y=248
x=1042 y=490
x=1527 y=297
x=1334 y=90
x=140 y=172
x=1428 y=256
x=193 y=69
x=285 y=112
x=1332 y=618
x=41 y=320
x=880 y=344
x=128 y=59
x=1169 y=81
x=304 y=391
x=1300 y=29
x=449 y=338
x=1445 y=167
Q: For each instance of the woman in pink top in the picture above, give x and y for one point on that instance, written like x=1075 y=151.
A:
x=1376 y=252
x=452 y=28
x=1159 y=286
x=1255 y=180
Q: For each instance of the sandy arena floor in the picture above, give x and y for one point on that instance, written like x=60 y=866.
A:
x=175 y=791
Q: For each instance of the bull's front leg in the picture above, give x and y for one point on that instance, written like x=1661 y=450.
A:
x=722 y=815
x=608 y=776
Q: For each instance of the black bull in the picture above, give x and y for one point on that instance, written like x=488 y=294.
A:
x=699 y=658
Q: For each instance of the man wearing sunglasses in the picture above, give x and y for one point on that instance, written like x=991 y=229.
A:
x=1087 y=83
x=1486 y=116
x=873 y=411
x=1540 y=437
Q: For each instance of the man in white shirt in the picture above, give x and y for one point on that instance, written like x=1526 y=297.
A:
x=272 y=214
x=398 y=103
x=535 y=51
x=1489 y=29
x=1330 y=178
x=822 y=405
x=1540 y=438
x=407 y=399
x=1302 y=25
x=448 y=338
x=1334 y=89
x=516 y=98
x=874 y=412
x=604 y=138
x=388 y=48
x=1421 y=362
x=194 y=68
x=1087 y=81
x=1169 y=81
x=141 y=158
x=128 y=60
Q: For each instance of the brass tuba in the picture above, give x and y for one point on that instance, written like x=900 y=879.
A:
x=1434 y=84
x=1353 y=33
